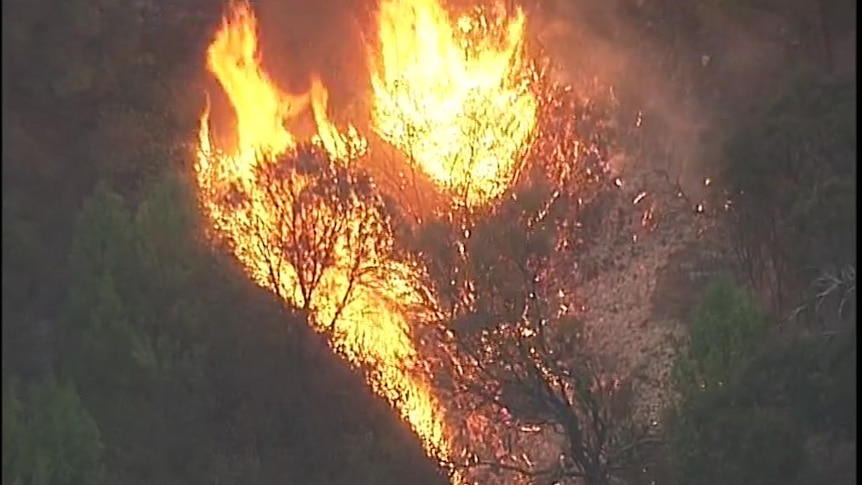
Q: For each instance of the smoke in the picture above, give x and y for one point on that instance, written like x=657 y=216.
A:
x=600 y=44
x=300 y=38
x=683 y=68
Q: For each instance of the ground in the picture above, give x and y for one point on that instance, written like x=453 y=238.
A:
x=651 y=272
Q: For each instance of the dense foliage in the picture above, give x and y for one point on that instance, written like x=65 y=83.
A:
x=791 y=175
x=757 y=410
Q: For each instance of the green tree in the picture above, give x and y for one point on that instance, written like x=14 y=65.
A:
x=131 y=319
x=49 y=438
x=714 y=440
x=760 y=409
x=713 y=437
x=725 y=331
x=791 y=176
x=92 y=89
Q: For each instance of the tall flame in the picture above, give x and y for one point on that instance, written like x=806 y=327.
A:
x=339 y=145
x=369 y=328
x=451 y=97
x=261 y=108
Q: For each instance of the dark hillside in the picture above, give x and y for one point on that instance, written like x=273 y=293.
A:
x=164 y=363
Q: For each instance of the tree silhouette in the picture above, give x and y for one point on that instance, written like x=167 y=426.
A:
x=514 y=350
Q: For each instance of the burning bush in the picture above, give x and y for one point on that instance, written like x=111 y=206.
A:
x=470 y=112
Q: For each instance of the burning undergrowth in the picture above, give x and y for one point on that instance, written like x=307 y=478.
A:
x=506 y=346
x=464 y=315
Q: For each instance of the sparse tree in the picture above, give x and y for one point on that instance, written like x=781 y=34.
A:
x=513 y=348
x=316 y=228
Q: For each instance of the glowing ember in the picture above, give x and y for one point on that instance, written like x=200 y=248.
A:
x=455 y=100
x=359 y=292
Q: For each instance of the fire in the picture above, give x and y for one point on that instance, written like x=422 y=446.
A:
x=453 y=97
x=261 y=107
x=363 y=315
x=340 y=146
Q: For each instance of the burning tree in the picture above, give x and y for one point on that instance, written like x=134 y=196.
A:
x=326 y=231
x=454 y=96
x=513 y=347
x=317 y=233
x=307 y=226
x=530 y=402
x=463 y=103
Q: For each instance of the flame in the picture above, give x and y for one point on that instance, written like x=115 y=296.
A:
x=340 y=146
x=261 y=107
x=369 y=328
x=453 y=97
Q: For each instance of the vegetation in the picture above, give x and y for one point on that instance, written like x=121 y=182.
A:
x=753 y=410
x=49 y=437
x=519 y=356
x=134 y=353
x=791 y=175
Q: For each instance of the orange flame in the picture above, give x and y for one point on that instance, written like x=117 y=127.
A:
x=340 y=146
x=261 y=107
x=451 y=97
x=368 y=323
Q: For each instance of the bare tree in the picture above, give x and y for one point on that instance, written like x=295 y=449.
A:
x=513 y=348
x=314 y=230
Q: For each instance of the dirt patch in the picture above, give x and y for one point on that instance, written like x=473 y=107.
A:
x=639 y=280
x=681 y=284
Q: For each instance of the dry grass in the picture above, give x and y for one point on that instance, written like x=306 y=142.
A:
x=650 y=275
